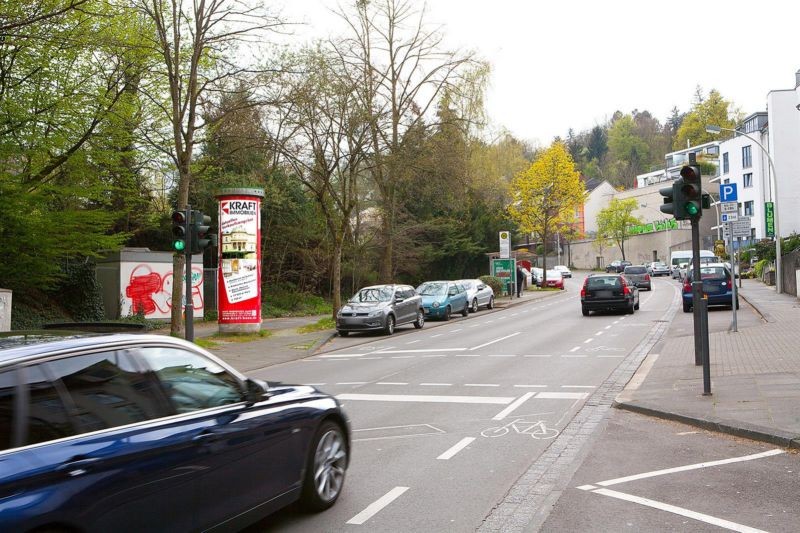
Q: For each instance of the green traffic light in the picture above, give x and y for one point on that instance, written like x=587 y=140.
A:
x=691 y=208
x=179 y=245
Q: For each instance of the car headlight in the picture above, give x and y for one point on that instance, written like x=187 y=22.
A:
x=377 y=312
x=435 y=305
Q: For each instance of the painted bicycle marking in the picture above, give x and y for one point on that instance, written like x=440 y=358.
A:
x=537 y=430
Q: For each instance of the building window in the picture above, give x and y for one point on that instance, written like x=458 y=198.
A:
x=748 y=208
x=748 y=180
x=726 y=181
x=725 y=165
x=747 y=157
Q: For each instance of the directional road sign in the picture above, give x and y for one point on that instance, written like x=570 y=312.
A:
x=728 y=217
x=740 y=227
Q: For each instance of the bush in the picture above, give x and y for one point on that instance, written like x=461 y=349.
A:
x=279 y=302
x=495 y=283
x=758 y=268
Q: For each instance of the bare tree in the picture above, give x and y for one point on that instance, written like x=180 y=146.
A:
x=197 y=42
x=401 y=70
x=325 y=145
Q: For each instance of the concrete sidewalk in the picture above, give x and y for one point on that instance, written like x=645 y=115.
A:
x=755 y=375
x=285 y=343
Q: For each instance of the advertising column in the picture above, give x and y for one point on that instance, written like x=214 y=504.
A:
x=239 y=271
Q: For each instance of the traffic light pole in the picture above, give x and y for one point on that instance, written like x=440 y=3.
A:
x=700 y=308
x=187 y=295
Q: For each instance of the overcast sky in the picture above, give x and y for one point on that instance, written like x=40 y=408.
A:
x=561 y=64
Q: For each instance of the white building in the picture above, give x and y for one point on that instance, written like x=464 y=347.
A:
x=674 y=161
x=744 y=164
x=598 y=195
x=784 y=143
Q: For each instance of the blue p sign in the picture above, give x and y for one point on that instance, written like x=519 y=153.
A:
x=727 y=192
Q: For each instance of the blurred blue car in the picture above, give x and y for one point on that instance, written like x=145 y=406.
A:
x=440 y=299
x=717 y=286
x=150 y=433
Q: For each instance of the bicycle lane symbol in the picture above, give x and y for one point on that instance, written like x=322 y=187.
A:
x=537 y=430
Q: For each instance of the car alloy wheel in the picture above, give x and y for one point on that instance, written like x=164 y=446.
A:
x=326 y=470
x=465 y=311
x=420 y=321
x=474 y=305
x=447 y=312
x=389 y=329
x=491 y=303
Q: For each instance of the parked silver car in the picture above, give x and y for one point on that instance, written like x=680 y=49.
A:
x=638 y=276
x=380 y=307
x=479 y=294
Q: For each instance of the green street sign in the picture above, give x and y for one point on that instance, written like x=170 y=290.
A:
x=769 y=214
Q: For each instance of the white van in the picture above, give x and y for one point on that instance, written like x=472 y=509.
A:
x=680 y=259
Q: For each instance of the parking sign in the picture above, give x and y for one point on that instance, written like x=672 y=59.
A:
x=727 y=192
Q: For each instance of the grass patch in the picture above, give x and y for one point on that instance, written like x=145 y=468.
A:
x=320 y=325
x=207 y=344
x=217 y=339
x=282 y=303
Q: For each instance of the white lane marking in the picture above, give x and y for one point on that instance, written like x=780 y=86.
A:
x=575 y=349
x=607 y=327
x=494 y=341
x=598 y=333
x=587 y=487
x=455 y=330
x=587 y=341
x=492 y=400
x=463 y=443
x=429 y=350
x=391 y=383
x=436 y=384
x=519 y=401
x=329 y=356
x=373 y=508
x=468 y=355
x=502 y=355
x=708 y=519
x=611 y=356
x=481 y=385
x=689 y=467
x=412 y=342
x=402 y=357
x=474 y=325
x=577 y=386
x=531 y=386
x=562 y=395
x=352 y=382
x=574 y=355
x=437 y=335
x=435 y=355
x=538 y=355
x=315 y=384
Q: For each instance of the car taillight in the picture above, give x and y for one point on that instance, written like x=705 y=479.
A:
x=583 y=289
x=626 y=290
x=647 y=277
x=687 y=287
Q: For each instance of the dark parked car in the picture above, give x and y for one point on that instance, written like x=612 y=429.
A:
x=717 y=286
x=617 y=266
x=639 y=276
x=608 y=292
x=380 y=307
x=152 y=433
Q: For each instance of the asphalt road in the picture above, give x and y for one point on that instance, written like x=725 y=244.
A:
x=448 y=419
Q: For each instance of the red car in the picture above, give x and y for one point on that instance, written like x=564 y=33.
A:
x=554 y=279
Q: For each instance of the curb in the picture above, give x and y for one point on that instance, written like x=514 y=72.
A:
x=748 y=431
x=754 y=306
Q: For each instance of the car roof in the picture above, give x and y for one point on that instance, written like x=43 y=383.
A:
x=23 y=345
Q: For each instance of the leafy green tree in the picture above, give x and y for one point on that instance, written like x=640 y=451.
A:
x=628 y=152
x=546 y=194
x=713 y=110
x=614 y=221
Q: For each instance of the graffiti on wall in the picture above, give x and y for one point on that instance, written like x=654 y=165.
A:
x=147 y=289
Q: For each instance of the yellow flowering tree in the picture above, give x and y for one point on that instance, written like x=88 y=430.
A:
x=546 y=194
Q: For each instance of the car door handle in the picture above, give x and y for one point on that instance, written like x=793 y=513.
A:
x=77 y=467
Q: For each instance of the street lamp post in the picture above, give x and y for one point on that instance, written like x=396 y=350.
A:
x=778 y=279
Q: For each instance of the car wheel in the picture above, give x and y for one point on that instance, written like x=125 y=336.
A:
x=562 y=287
x=636 y=307
x=491 y=303
x=447 y=312
x=420 y=321
x=465 y=311
x=631 y=309
x=686 y=307
x=327 y=462
x=389 y=328
x=343 y=333
x=584 y=311
x=474 y=305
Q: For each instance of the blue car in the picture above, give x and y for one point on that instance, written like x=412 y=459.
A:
x=717 y=286
x=151 y=433
x=440 y=299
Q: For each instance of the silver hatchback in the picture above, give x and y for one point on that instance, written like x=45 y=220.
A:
x=380 y=307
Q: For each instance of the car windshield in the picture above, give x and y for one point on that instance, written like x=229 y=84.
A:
x=712 y=273
x=468 y=284
x=373 y=294
x=604 y=282
x=553 y=274
x=636 y=270
x=659 y=265
x=432 y=289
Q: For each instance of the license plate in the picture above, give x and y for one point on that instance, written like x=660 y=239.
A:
x=604 y=294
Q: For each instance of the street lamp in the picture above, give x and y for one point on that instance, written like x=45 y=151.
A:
x=716 y=130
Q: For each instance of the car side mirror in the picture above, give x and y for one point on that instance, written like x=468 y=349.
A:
x=398 y=299
x=256 y=390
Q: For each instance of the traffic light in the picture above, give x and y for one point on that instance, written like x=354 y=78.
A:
x=201 y=228
x=179 y=232
x=691 y=193
x=668 y=193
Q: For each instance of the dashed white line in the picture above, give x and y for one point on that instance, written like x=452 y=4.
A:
x=574 y=355
x=463 y=443
x=531 y=386
x=333 y=355
x=429 y=350
x=598 y=333
x=455 y=330
x=577 y=386
x=436 y=384
x=502 y=355
x=402 y=357
x=412 y=342
x=481 y=385
x=607 y=327
x=435 y=355
x=391 y=383
x=437 y=335
x=468 y=355
x=538 y=355
x=561 y=395
x=373 y=508
x=575 y=349
x=499 y=400
x=587 y=341
x=352 y=383
x=611 y=356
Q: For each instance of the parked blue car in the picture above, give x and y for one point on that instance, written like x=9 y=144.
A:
x=440 y=299
x=717 y=286
x=151 y=433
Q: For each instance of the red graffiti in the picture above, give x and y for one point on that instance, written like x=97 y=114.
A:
x=151 y=293
x=141 y=290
